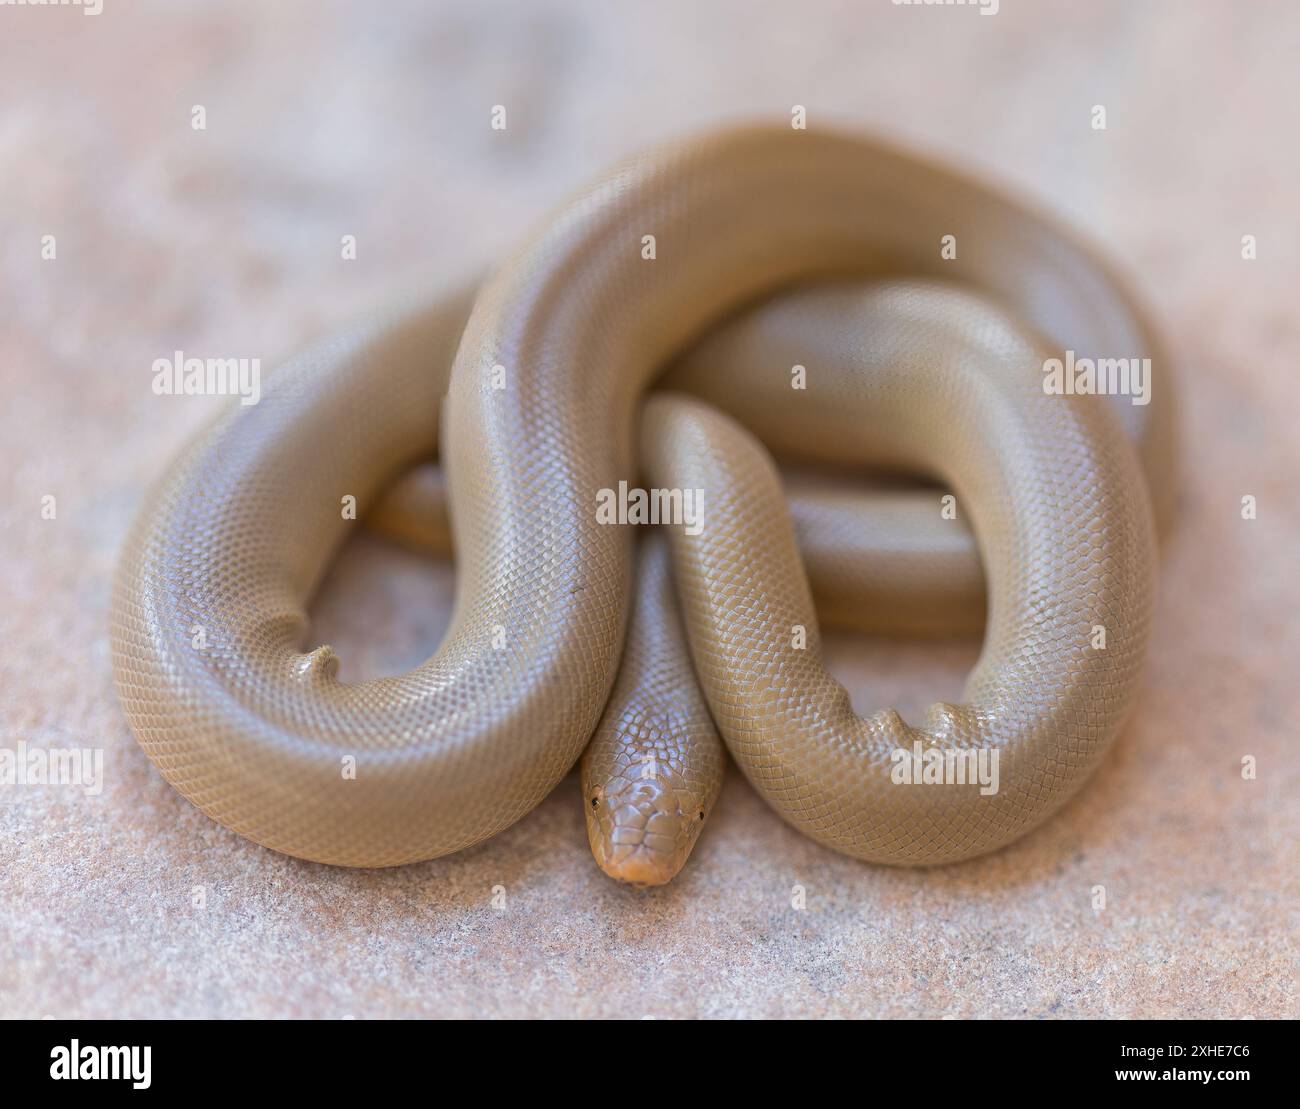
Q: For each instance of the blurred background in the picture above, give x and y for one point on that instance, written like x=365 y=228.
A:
x=330 y=118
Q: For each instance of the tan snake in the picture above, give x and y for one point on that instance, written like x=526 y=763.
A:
x=935 y=369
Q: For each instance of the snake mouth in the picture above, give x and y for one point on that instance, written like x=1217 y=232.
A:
x=642 y=835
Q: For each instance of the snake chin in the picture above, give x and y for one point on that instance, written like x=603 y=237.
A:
x=642 y=833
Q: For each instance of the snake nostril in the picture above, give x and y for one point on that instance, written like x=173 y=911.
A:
x=701 y=816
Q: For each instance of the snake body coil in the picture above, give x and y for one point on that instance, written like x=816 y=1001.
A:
x=543 y=409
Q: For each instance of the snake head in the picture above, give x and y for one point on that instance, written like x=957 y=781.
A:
x=642 y=829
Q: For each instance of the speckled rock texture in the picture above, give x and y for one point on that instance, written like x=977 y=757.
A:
x=327 y=119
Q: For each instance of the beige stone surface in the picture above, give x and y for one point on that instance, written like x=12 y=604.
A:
x=326 y=119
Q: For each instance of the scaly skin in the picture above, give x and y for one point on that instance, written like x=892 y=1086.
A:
x=540 y=414
x=654 y=766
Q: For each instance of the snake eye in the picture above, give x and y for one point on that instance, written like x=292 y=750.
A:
x=595 y=802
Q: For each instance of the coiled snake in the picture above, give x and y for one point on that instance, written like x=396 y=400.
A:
x=532 y=389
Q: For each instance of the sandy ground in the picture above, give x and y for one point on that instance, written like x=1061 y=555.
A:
x=327 y=118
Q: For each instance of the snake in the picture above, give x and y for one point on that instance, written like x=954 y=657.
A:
x=705 y=309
